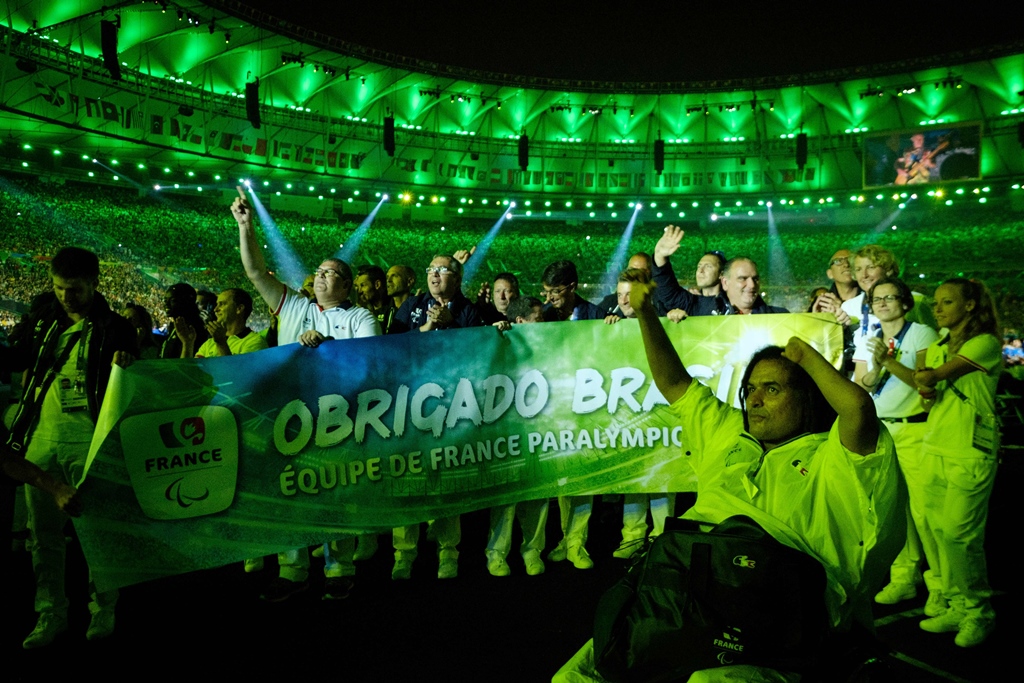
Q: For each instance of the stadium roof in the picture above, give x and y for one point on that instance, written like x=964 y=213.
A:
x=463 y=85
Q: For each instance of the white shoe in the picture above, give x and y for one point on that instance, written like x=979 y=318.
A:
x=945 y=623
x=534 y=565
x=896 y=592
x=497 y=566
x=402 y=571
x=254 y=564
x=974 y=631
x=579 y=557
x=558 y=553
x=936 y=605
x=448 y=569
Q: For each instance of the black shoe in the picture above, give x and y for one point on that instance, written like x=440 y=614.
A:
x=280 y=589
x=337 y=587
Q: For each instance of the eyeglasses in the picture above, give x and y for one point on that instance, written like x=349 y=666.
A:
x=440 y=270
x=327 y=273
x=888 y=298
x=840 y=262
x=557 y=291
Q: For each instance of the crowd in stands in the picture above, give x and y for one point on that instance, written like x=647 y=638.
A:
x=149 y=240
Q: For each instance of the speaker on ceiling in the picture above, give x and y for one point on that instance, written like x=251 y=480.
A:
x=108 y=45
x=252 y=102
x=801 y=150
x=389 y=135
x=524 y=151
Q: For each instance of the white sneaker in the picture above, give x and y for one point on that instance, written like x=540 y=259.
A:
x=944 y=623
x=896 y=592
x=534 y=565
x=579 y=557
x=498 y=567
x=936 y=605
x=402 y=571
x=448 y=569
x=558 y=553
x=254 y=564
x=974 y=631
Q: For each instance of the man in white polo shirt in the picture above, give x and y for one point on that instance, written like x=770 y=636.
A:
x=310 y=322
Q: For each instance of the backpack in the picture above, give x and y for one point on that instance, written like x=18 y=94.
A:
x=699 y=600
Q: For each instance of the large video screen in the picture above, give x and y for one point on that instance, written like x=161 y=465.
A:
x=919 y=156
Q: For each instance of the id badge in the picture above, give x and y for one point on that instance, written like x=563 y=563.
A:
x=986 y=434
x=72 y=394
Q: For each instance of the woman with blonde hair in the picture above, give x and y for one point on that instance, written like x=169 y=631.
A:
x=960 y=448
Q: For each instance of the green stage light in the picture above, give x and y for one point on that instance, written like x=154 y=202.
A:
x=959 y=190
x=191 y=174
x=167 y=170
x=547 y=213
x=266 y=183
x=85 y=156
x=547 y=203
x=526 y=203
x=529 y=213
x=591 y=215
x=26 y=146
x=310 y=188
x=334 y=190
x=568 y=205
x=717 y=204
x=682 y=214
x=356 y=193
x=199 y=189
x=614 y=215
x=56 y=152
x=949 y=202
x=443 y=199
x=116 y=178
x=590 y=204
x=177 y=186
x=674 y=205
x=91 y=174
x=982 y=200
x=216 y=177
x=288 y=186
x=696 y=204
x=807 y=200
x=460 y=209
x=659 y=214
x=654 y=205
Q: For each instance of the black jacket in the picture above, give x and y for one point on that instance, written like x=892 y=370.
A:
x=108 y=332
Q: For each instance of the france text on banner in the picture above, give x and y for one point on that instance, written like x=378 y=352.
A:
x=197 y=464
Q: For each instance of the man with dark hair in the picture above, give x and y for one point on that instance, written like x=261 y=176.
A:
x=503 y=291
x=741 y=285
x=180 y=306
x=229 y=334
x=638 y=261
x=786 y=460
x=709 y=273
x=67 y=345
x=400 y=283
x=206 y=301
x=525 y=309
x=560 y=280
x=372 y=294
x=329 y=315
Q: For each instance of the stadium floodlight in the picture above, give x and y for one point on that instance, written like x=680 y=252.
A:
x=511 y=205
x=385 y=197
x=247 y=183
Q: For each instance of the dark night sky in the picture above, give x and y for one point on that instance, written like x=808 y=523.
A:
x=624 y=41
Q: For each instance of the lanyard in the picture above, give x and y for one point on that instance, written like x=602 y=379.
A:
x=895 y=351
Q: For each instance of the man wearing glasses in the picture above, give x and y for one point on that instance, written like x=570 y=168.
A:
x=310 y=322
x=442 y=307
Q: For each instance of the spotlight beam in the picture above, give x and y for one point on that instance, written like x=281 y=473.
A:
x=480 y=255
x=291 y=269
x=351 y=248
x=611 y=270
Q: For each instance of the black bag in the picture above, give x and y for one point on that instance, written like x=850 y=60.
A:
x=698 y=600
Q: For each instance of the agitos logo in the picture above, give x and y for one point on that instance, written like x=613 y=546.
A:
x=191 y=429
x=182 y=463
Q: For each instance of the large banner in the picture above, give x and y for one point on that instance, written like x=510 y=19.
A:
x=197 y=464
